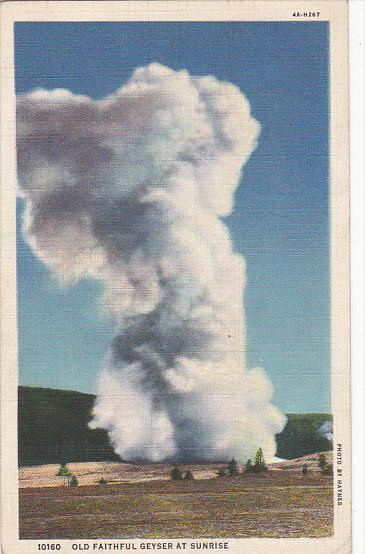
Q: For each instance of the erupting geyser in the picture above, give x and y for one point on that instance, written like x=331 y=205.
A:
x=130 y=190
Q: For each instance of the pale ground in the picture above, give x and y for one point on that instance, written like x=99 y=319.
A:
x=89 y=473
x=297 y=464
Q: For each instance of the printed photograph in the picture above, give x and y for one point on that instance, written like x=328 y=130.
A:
x=173 y=280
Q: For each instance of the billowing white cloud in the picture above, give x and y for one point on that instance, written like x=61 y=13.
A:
x=326 y=430
x=130 y=190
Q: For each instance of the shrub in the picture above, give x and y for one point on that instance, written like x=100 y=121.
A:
x=103 y=481
x=328 y=470
x=63 y=471
x=188 y=475
x=322 y=462
x=305 y=469
x=176 y=474
x=233 y=468
x=221 y=472
x=324 y=466
x=73 y=481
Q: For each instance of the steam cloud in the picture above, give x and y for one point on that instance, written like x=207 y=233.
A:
x=129 y=190
x=326 y=430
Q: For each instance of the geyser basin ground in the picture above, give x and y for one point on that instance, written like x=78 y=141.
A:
x=282 y=503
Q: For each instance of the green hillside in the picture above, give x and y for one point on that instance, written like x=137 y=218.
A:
x=301 y=436
x=53 y=429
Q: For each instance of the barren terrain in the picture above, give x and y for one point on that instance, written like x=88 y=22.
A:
x=141 y=501
x=89 y=473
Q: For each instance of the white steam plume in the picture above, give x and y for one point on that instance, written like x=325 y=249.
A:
x=129 y=190
x=326 y=430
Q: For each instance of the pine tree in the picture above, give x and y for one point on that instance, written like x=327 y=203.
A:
x=249 y=466
x=64 y=472
x=322 y=462
x=328 y=470
x=73 y=480
x=176 y=474
x=259 y=464
x=233 y=467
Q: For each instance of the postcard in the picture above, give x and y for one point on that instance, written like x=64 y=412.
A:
x=175 y=277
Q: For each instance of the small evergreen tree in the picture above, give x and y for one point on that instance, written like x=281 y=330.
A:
x=221 y=472
x=249 y=466
x=176 y=474
x=233 y=468
x=103 y=481
x=188 y=475
x=73 y=480
x=328 y=470
x=324 y=467
x=305 y=469
x=64 y=472
x=322 y=462
x=260 y=464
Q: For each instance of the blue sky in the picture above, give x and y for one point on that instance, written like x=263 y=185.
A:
x=280 y=221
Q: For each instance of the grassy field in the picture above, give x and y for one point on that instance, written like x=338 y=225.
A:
x=277 y=504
